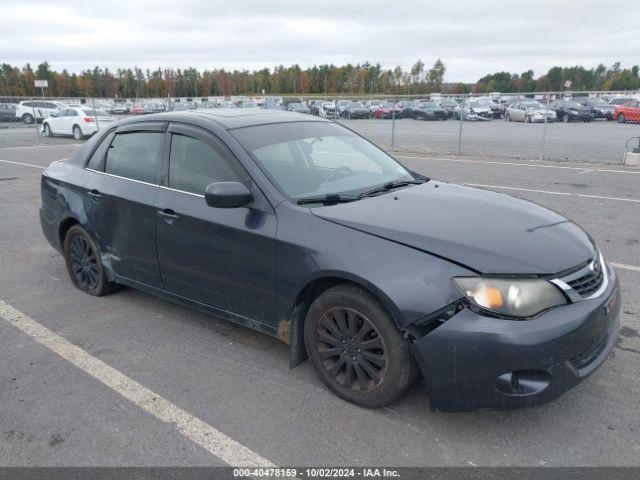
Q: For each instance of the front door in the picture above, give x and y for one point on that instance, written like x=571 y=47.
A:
x=222 y=257
x=119 y=199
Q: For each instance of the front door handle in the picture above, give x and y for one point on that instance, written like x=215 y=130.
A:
x=169 y=216
x=94 y=194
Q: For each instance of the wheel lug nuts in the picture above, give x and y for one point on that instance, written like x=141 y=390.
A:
x=353 y=358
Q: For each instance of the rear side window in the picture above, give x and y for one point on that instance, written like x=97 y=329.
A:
x=195 y=164
x=133 y=155
x=95 y=162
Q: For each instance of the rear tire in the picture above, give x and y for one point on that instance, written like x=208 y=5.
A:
x=84 y=264
x=621 y=118
x=355 y=348
x=77 y=132
x=28 y=119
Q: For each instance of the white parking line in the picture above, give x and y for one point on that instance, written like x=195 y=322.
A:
x=500 y=187
x=624 y=266
x=196 y=430
x=24 y=164
x=460 y=160
x=43 y=146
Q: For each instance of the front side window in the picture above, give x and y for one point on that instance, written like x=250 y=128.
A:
x=133 y=155
x=311 y=158
x=194 y=164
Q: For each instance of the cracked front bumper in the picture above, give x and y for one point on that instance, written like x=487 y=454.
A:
x=473 y=362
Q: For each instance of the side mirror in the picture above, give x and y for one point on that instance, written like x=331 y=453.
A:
x=227 y=195
x=54 y=114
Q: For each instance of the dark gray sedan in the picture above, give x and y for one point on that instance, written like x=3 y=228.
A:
x=301 y=229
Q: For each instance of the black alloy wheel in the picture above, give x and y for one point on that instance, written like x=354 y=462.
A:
x=356 y=349
x=83 y=263
x=351 y=349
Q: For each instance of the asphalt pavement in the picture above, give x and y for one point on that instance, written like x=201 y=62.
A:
x=237 y=381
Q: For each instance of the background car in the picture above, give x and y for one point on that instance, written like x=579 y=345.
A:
x=8 y=112
x=178 y=106
x=497 y=109
x=629 y=112
x=328 y=110
x=298 y=107
x=356 y=110
x=529 y=112
x=407 y=107
x=77 y=122
x=448 y=104
x=472 y=111
x=427 y=110
x=388 y=109
x=271 y=105
x=571 y=111
x=599 y=108
x=373 y=105
x=121 y=108
x=314 y=106
x=31 y=111
x=342 y=105
x=620 y=100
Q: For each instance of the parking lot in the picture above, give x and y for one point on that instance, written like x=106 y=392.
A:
x=594 y=142
x=231 y=387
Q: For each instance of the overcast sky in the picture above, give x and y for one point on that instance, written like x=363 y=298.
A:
x=472 y=37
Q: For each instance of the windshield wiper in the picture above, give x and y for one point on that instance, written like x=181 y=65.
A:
x=330 y=199
x=390 y=186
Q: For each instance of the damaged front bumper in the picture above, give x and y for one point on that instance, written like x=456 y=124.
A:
x=475 y=362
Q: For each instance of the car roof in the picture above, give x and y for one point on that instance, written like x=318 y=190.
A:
x=228 y=118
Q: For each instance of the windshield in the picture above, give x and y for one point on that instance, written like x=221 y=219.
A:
x=571 y=104
x=474 y=104
x=429 y=105
x=595 y=101
x=388 y=104
x=357 y=105
x=534 y=106
x=308 y=159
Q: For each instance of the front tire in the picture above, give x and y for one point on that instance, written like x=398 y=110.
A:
x=47 y=130
x=84 y=264
x=621 y=118
x=77 y=133
x=355 y=348
x=566 y=118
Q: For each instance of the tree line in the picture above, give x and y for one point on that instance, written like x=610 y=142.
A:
x=360 y=79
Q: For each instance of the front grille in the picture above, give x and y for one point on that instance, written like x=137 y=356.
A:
x=589 y=283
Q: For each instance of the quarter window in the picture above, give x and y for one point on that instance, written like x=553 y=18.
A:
x=95 y=162
x=133 y=155
x=195 y=164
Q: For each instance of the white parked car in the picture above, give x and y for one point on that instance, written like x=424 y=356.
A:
x=78 y=122
x=31 y=111
x=529 y=112
x=328 y=110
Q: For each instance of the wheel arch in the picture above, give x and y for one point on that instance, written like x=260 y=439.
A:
x=291 y=330
x=64 y=227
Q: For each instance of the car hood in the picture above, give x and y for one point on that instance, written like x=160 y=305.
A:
x=485 y=231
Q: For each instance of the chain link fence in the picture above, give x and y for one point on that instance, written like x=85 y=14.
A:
x=555 y=126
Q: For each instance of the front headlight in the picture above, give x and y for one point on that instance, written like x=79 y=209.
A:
x=512 y=297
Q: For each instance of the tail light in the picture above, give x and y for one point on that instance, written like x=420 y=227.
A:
x=89 y=119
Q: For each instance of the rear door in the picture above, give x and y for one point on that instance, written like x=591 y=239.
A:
x=120 y=197
x=222 y=257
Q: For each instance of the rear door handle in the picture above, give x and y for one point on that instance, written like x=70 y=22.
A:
x=169 y=216
x=94 y=194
